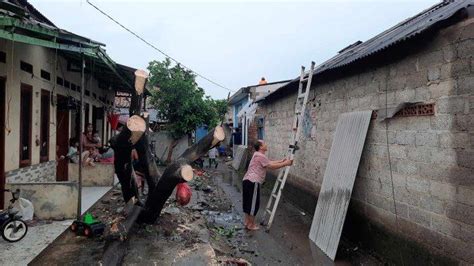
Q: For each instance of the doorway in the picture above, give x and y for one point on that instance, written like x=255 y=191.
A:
x=2 y=141
x=62 y=141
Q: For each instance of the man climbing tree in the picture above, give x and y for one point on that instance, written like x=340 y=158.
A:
x=180 y=101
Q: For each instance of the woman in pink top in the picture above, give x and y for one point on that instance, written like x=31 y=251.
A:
x=253 y=179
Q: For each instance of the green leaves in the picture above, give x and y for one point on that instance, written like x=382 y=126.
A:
x=180 y=101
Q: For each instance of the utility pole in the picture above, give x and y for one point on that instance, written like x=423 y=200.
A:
x=81 y=129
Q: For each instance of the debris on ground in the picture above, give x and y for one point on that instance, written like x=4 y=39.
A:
x=207 y=231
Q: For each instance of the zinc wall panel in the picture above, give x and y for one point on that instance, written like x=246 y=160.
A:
x=338 y=181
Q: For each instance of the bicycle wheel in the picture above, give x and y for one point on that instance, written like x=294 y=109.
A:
x=14 y=230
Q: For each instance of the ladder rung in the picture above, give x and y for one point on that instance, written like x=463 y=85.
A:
x=304 y=80
x=301 y=96
x=275 y=196
x=280 y=180
x=268 y=211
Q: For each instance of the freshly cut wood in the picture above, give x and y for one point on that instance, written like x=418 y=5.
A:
x=204 y=145
x=187 y=172
x=177 y=172
x=137 y=125
x=140 y=80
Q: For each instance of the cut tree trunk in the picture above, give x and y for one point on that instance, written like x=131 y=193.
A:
x=172 y=175
x=177 y=172
x=135 y=135
x=170 y=150
x=146 y=161
x=213 y=138
x=115 y=248
x=122 y=145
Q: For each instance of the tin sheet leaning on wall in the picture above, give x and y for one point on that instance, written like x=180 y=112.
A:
x=338 y=181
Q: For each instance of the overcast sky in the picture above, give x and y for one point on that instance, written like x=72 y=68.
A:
x=234 y=43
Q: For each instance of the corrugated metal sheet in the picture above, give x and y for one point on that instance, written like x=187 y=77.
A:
x=339 y=177
x=398 y=33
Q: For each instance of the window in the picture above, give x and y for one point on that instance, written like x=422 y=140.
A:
x=87 y=93
x=94 y=95
x=45 y=75
x=3 y=57
x=44 y=134
x=26 y=67
x=260 y=128
x=66 y=84
x=59 y=81
x=73 y=87
x=25 y=125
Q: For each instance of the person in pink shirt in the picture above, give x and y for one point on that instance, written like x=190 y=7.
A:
x=253 y=179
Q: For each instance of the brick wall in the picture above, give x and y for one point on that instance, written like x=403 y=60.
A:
x=43 y=172
x=432 y=157
x=252 y=131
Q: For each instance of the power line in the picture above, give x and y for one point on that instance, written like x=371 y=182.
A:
x=156 y=48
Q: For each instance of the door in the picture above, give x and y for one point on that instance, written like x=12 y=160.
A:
x=26 y=107
x=2 y=141
x=62 y=141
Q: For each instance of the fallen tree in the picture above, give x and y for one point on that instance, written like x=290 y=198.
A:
x=160 y=186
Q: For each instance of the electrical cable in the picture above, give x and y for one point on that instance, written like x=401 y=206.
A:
x=390 y=168
x=156 y=48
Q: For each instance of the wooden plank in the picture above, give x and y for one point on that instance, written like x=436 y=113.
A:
x=338 y=181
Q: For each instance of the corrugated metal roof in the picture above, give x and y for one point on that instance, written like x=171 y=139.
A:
x=397 y=34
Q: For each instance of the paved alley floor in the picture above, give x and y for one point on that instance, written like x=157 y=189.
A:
x=39 y=236
x=42 y=233
x=287 y=242
x=91 y=195
x=207 y=231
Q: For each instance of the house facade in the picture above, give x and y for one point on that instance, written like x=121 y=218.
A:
x=40 y=84
x=240 y=101
x=413 y=198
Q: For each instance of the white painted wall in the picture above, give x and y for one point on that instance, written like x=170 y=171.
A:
x=40 y=58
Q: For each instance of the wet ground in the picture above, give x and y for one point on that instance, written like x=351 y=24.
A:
x=208 y=231
x=287 y=241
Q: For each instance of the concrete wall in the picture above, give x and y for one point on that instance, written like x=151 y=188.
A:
x=240 y=157
x=100 y=175
x=55 y=200
x=162 y=144
x=432 y=157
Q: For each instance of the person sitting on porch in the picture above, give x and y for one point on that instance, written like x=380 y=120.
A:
x=88 y=143
x=73 y=154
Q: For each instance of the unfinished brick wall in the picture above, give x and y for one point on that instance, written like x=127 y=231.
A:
x=432 y=157
x=252 y=131
x=42 y=172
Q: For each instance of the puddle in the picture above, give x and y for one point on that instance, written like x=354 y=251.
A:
x=226 y=220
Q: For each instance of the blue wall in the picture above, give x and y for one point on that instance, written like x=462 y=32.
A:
x=237 y=107
x=201 y=132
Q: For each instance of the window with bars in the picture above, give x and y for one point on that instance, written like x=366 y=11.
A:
x=45 y=74
x=26 y=67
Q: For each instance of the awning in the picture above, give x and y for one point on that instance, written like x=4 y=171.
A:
x=16 y=28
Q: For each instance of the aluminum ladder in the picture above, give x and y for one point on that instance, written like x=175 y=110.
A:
x=300 y=107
